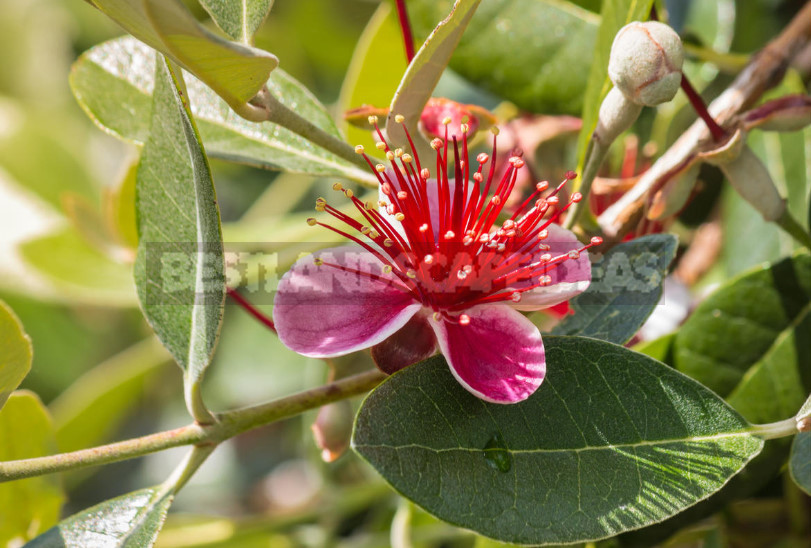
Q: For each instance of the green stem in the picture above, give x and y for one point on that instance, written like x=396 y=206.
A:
x=788 y=223
x=779 y=429
x=228 y=424
x=595 y=154
x=278 y=113
x=193 y=460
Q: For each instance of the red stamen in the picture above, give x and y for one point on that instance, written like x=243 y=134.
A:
x=250 y=309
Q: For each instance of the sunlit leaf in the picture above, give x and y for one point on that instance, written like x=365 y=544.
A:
x=612 y=441
x=29 y=506
x=377 y=65
x=129 y=521
x=179 y=267
x=79 y=271
x=114 y=81
x=625 y=288
x=15 y=352
x=235 y=71
x=239 y=20
x=535 y=53
x=423 y=72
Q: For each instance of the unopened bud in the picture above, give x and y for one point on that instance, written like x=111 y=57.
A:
x=675 y=188
x=789 y=113
x=747 y=174
x=645 y=62
x=332 y=429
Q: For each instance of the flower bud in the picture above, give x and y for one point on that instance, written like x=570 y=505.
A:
x=675 y=188
x=332 y=429
x=645 y=62
x=747 y=174
x=789 y=113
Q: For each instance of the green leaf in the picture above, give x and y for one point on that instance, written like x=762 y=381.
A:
x=29 y=506
x=16 y=352
x=234 y=71
x=114 y=81
x=93 y=406
x=179 y=267
x=800 y=461
x=660 y=349
x=612 y=441
x=129 y=521
x=79 y=271
x=377 y=65
x=239 y=20
x=536 y=53
x=626 y=287
x=742 y=322
x=614 y=15
x=423 y=72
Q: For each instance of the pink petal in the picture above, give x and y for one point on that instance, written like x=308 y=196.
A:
x=414 y=342
x=322 y=311
x=498 y=356
x=569 y=279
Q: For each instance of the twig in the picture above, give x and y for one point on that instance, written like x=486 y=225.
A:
x=764 y=71
x=229 y=424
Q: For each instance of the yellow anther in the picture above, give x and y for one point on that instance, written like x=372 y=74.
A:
x=311 y=221
x=425 y=173
x=372 y=120
x=389 y=156
x=337 y=186
x=387 y=269
x=374 y=234
x=349 y=193
x=398 y=152
x=369 y=205
x=411 y=274
x=388 y=242
x=399 y=216
x=436 y=143
x=464 y=128
x=446 y=120
x=380 y=145
x=407 y=158
x=320 y=207
x=494 y=130
x=359 y=149
x=436 y=316
x=380 y=168
x=399 y=118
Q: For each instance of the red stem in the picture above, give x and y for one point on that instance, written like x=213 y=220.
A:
x=717 y=131
x=408 y=38
x=252 y=310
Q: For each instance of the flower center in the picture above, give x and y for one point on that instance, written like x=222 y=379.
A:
x=443 y=238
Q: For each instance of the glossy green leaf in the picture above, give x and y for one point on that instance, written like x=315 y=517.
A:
x=800 y=461
x=129 y=521
x=29 y=506
x=114 y=81
x=16 y=352
x=377 y=65
x=614 y=15
x=743 y=321
x=79 y=271
x=89 y=411
x=612 y=441
x=660 y=349
x=179 y=267
x=423 y=72
x=536 y=53
x=235 y=71
x=773 y=389
x=626 y=287
x=239 y=20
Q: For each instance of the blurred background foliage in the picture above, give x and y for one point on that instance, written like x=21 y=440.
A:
x=66 y=235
